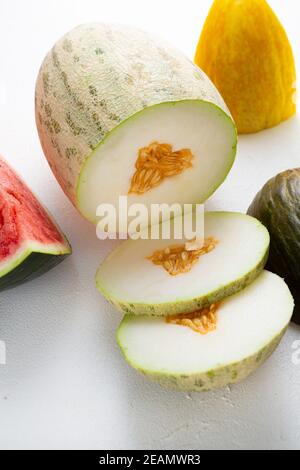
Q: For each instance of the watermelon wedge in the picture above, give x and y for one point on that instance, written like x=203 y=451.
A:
x=30 y=241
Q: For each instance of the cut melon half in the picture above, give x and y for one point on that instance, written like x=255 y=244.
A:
x=249 y=327
x=105 y=95
x=167 y=132
x=235 y=253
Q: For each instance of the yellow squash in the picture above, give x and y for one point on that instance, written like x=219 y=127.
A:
x=245 y=51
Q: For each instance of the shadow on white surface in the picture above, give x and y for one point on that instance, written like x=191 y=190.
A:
x=260 y=157
x=164 y=419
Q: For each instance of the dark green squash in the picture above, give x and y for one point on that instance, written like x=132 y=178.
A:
x=277 y=206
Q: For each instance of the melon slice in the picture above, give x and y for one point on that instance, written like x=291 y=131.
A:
x=120 y=112
x=249 y=327
x=30 y=241
x=235 y=253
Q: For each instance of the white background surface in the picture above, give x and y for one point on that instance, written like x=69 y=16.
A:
x=65 y=384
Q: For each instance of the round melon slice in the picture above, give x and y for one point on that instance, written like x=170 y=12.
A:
x=30 y=241
x=249 y=327
x=120 y=112
x=235 y=251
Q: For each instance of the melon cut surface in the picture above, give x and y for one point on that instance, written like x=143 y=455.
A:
x=104 y=92
x=134 y=284
x=30 y=241
x=250 y=325
x=200 y=127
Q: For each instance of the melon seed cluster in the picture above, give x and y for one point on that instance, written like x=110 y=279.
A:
x=178 y=260
x=157 y=162
x=202 y=321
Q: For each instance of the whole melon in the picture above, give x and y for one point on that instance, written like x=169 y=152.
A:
x=119 y=112
x=246 y=52
x=277 y=206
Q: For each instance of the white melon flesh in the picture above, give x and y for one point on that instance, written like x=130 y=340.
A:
x=105 y=91
x=199 y=126
x=250 y=325
x=135 y=285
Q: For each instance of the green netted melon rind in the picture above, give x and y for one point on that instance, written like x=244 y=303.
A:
x=214 y=379
x=189 y=305
x=95 y=78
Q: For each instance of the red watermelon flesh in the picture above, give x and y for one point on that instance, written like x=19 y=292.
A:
x=30 y=241
x=22 y=218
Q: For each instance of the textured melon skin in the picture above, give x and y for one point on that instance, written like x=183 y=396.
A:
x=190 y=305
x=96 y=77
x=277 y=206
x=217 y=378
x=242 y=44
